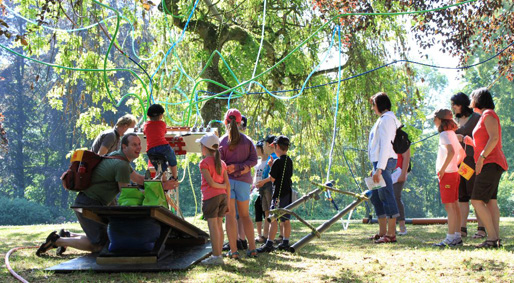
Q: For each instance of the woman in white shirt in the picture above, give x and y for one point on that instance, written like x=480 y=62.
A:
x=383 y=158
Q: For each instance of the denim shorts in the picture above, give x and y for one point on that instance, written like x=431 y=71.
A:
x=239 y=190
x=383 y=199
x=166 y=151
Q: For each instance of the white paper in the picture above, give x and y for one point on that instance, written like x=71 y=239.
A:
x=396 y=174
x=372 y=185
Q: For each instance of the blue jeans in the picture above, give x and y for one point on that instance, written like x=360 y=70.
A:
x=167 y=151
x=383 y=199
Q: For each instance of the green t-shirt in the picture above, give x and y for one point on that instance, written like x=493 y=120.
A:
x=107 y=175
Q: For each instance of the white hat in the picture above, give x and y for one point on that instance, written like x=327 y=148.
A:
x=209 y=140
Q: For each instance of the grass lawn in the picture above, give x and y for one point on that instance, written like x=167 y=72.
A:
x=339 y=256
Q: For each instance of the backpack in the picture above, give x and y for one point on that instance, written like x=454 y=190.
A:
x=79 y=174
x=401 y=141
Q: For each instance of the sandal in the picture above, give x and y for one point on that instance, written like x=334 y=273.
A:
x=252 y=253
x=61 y=250
x=386 y=239
x=488 y=244
x=479 y=235
x=48 y=244
x=375 y=237
x=233 y=255
x=463 y=232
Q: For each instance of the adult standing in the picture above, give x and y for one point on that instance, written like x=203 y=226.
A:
x=490 y=164
x=466 y=120
x=238 y=152
x=384 y=159
x=108 y=140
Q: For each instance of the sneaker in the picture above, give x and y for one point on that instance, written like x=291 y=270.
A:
x=386 y=239
x=265 y=249
x=456 y=242
x=61 y=250
x=48 y=244
x=226 y=247
x=283 y=247
x=402 y=233
x=213 y=261
x=444 y=243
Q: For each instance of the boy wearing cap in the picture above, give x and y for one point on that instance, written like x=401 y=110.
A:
x=155 y=131
x=265 y=185
x=280 y=174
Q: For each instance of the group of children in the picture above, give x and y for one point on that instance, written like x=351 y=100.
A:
x=273 y=181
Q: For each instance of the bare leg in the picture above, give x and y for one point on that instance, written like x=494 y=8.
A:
x=214 y=233
x=240 y=229
x=259 y=228
x=452 y=209
x=402 y=225
x=266 y=225
x=272 y=230
x=391 y=227
x=287 y=229
x=80 y=243
x=220 y=233
x=485 y=214
x=492 y=206
x=464 y=213
x=382 y=226
x=244 y=216
x=231 y=226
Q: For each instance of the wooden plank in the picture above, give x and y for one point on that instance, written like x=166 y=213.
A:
x=127 y=260
x=93 y=216
x=159 y=215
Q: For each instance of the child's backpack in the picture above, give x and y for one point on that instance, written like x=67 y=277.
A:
x=83 y=162
x=401 y=141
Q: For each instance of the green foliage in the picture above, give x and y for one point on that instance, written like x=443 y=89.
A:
x=24 y=212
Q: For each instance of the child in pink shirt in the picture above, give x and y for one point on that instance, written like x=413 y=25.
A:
x=215 y=194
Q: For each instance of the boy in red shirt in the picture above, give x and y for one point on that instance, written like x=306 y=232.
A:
x=155 y=130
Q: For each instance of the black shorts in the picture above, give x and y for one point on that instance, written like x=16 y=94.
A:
x=466 y=186
x=95 y=232
x=284 y=201
x=259 y=213
x=487 y=182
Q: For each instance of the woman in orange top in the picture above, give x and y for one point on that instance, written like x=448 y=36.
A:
x=490 y=164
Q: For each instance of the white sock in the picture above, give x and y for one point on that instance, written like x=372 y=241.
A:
x=450 y=237
x=457 y=235
x=215 y=256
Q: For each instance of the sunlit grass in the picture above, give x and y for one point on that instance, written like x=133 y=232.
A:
x=339 y=256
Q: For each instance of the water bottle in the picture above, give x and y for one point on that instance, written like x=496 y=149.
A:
x=82 y=168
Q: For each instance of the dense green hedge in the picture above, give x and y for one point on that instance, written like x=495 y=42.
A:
x=24 y=212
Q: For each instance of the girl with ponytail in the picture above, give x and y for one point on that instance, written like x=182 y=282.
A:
x=215 y=194
x=238 y=152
